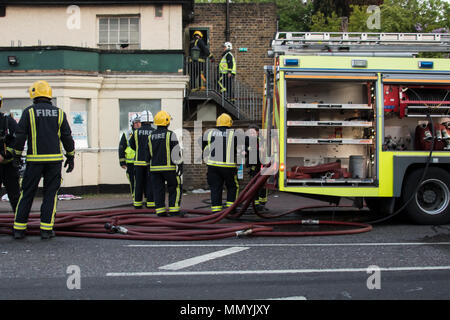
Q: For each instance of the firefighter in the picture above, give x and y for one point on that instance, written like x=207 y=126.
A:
x=220 y=149
x=199 y=53
x=165 y=165
x=253 y=162
x=126 y=154
x=46 y=130
x=142 y=178
x=227 y=71
x=9 y=175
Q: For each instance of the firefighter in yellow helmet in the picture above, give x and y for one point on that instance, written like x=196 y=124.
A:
x=9 y=175
x=198 y=55
x=45 y=128
x=220 y=150
x=165 y=165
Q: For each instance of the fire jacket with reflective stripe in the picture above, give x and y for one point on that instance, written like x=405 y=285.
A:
x=221 y=144
x=227 y=63
x=126 y=154
x=164 y=150
x=139 y=143
x=46 y=130
x=8 y=127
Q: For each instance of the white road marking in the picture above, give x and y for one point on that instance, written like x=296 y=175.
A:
x=287 y=298
x=259 y=272
x=206 y=257
x=291 y=244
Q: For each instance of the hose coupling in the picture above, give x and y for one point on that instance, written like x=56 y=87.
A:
x=242 y=233
x=116 y=229
x=310 y=221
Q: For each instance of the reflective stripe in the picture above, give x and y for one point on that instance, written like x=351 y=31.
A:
x=46 y=226
x=229 y=204
x=177 y=199
x=160 y=210
x=44 y=157
x=33 y=130
x=174 y=209
x=72 y=153
x=60 y=121
x=237 y=185
x=137 y=203
x=150 y=204
x=168 y=148
x=163 y=168
x=20 y=226
x=216 y=208
x=228 y=161
x=220 y=164
x=141 y=163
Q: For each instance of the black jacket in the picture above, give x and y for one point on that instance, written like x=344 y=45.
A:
x=162 y=143
x=44 y=127
x=139 y=143
x=8 y=127
x=222 y=143
x=200 y=44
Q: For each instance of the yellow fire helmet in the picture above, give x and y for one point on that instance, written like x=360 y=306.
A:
x=199 y=33
x=162 y=118
x=224 y=120
x=40 y=88
x=1 y=100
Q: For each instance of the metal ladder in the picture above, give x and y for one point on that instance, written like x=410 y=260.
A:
x=377 y=44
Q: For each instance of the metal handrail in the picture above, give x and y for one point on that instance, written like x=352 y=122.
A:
x=206 y=77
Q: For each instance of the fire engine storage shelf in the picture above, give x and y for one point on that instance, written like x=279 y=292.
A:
x=332 y=123
x=337 y=106
x=329 y=122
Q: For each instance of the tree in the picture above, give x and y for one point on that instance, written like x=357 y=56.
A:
x=294 y=15
x=321 y=23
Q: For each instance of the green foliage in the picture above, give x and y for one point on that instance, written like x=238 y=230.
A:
x=321 y=23
x=294 y=15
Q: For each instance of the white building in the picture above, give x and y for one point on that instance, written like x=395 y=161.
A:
x=105 y=60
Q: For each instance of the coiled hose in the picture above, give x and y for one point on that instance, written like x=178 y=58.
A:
x=202 y=225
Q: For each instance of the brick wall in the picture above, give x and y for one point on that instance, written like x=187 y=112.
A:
x=252 y=26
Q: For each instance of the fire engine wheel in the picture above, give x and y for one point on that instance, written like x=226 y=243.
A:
x=431 y=202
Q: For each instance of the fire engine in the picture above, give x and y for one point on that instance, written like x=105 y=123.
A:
x=362 y=116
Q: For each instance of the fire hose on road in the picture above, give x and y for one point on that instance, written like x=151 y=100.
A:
x=202 y=225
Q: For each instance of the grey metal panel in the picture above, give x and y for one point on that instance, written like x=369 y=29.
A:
x=401 y=164
x=420 y=76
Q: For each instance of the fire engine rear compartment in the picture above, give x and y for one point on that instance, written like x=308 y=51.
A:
x=331 y=127
x=330 y=132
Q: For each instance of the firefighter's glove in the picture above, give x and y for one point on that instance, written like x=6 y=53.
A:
x=180 y=169
x=17 y=161
x=69 y=163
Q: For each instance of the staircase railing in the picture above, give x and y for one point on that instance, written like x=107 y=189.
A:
x=205 y=79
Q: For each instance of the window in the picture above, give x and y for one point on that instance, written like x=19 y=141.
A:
x=158 y=11
x=119 y=33
x=15 y=107
x=129 y=108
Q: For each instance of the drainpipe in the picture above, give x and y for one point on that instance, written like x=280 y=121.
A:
x=227 y=26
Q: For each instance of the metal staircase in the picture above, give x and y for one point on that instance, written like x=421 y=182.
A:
x=242 y=103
